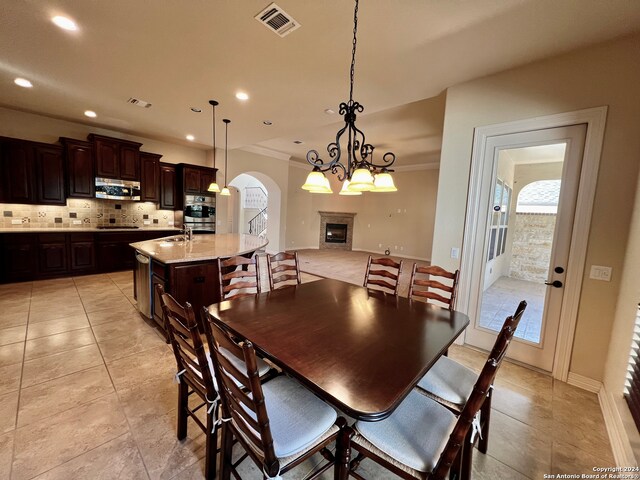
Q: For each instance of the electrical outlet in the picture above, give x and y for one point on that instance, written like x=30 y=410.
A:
x=598 y=272
x=401 y=248
x=369 y=226
x=455 y=252
x=171 y=224
x=77 y=222
x=399 y=210
x=16 y=222
x=147 y=222
x=379 y=245
x=395 y=247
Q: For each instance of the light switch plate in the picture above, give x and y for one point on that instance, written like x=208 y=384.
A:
x=598 y=272
x=455 y=252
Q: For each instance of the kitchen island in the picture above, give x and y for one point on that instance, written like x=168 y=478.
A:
x=187 y=269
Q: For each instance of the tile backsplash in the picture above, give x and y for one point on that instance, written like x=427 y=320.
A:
x=90 y=213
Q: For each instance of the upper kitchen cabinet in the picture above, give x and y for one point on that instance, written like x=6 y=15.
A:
x=31 y=172
x=18 y=176
x=170 y=198
x=49 y=163
x=150 y=177
x=116 y=158
x=196 y=180
x=79 y=166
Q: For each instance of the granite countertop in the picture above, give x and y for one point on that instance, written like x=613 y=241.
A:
x=87 y=230
x=201 y=247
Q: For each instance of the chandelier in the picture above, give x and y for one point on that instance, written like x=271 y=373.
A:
x=359 y=172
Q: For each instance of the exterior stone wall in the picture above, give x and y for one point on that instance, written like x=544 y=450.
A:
x=531 y=249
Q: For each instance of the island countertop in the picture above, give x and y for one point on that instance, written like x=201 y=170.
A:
x=201 y=247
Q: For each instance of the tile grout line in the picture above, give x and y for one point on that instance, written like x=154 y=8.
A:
x=120 y=405
x=24 y=348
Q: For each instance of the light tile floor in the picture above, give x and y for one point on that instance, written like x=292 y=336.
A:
x=86 y=392
x=500 y=299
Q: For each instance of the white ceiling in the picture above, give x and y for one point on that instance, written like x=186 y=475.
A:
x=178 y=54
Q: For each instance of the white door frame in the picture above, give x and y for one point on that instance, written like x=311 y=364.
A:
x=595 y=119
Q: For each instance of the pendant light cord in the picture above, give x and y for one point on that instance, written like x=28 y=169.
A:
x=226 y=144
x=353 y=53
x=213 y=103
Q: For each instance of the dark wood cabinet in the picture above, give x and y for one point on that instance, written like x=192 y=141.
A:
x=116 y=158
x=150 y=177
x=170 y=199
x=79 y=168
x=196 y=180
x=50 y=174
x=207 y=176
x=82 y=253
x=191 y=176
x=196 y=284
x=18 y=176
x=18 y=257
x=52 y=254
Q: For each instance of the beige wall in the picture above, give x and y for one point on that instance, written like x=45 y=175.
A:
x=273 y=173
x=608 y=74
x=404 y=218
x=39 y=128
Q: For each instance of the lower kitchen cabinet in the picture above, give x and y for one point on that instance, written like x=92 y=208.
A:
x=30 y=256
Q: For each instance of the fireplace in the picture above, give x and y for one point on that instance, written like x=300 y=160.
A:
x=336 y=233
x=336 y=230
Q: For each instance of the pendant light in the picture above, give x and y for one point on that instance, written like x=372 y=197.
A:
x=213 y=186
x=359 y=168
x=225 y=191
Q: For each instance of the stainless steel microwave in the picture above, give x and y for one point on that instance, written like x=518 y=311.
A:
x=117 y=189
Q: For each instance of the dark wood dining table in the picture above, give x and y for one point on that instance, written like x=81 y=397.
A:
x=360 y=350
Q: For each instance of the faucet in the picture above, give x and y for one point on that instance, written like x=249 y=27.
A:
x=187 y=232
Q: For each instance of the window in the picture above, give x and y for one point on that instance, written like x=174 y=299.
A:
x=499 y=219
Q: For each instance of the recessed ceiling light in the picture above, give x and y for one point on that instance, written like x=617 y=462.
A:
x=328 y=111
x=267 y=122
x=196 y=110
x=298 y=142
x=191 y=138
x=242 y=96
x=90 y=113
x=65 y=23
x=23 y=82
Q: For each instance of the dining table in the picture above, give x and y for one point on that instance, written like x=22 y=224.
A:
x=360 y=350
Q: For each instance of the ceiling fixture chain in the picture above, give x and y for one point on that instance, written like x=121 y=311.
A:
x=359 y=172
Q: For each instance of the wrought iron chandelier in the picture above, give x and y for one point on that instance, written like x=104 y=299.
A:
x=359 y=172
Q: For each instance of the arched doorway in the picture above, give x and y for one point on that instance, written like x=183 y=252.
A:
x=256 y=207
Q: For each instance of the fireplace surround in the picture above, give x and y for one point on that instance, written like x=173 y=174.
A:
x=336 y=230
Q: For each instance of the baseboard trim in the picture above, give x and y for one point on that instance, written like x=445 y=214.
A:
x=618 y=438
x=585 y=383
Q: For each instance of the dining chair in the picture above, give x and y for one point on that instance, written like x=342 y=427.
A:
x=440 y=446
x=283 y=269
x=279 y=423
x=451 y=384
x=424 y=285
x=195 y=375
x=239 y=276
x=386 y=278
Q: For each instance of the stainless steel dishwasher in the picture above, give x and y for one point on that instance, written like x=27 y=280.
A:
x=143 y=284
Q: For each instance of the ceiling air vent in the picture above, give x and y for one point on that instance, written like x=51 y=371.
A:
x=139 y=103
x=277 y=20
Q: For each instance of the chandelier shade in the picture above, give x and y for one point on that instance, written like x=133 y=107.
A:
x=358 y=167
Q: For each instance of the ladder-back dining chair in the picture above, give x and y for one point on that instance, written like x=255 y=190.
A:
x=384 y=274
x=425 y=283
x=399 y=444
x=239 y=276
x=450 y=384
x=279 y=423
x=283 y=269
x=195 y=375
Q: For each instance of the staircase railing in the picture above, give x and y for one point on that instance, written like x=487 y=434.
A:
x=258 y=224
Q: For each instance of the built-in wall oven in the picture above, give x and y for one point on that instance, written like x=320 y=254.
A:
x=200 y=213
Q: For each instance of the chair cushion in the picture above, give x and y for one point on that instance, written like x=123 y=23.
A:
x=297 y=417
x=415 y=434
x=448 y=382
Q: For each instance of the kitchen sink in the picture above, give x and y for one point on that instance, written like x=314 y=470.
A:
x=179 y=238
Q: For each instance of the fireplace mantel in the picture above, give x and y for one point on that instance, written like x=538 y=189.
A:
x=345 y=218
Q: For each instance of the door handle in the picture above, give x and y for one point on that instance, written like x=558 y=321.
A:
x=555 y=283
